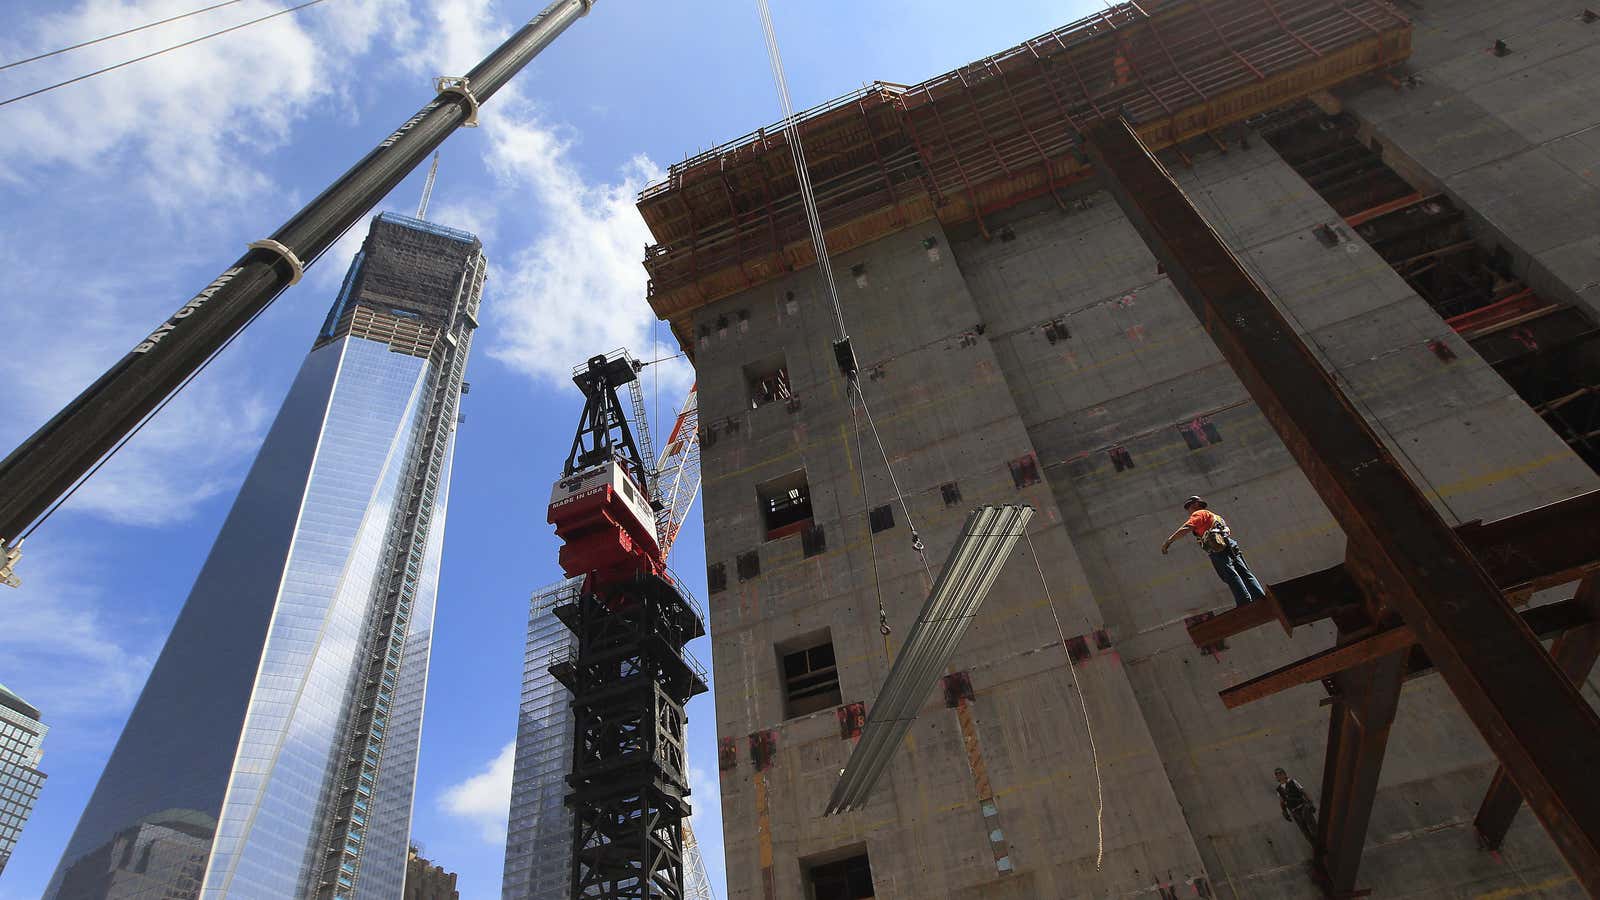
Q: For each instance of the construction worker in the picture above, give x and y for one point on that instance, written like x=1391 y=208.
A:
x=1296 y=805
x=1217 y=541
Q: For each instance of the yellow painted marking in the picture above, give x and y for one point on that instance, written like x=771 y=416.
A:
x=1545 y=885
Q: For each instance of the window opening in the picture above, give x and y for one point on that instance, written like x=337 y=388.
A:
x=845 y=879
x=881 y=518
x=951 y=492
x=1024 y=470
x=748 y=564
x=785 y=505
x=813 y=540
x=767 y=381
x=810 y=676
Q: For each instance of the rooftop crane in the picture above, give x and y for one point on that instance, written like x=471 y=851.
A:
x=40 y=473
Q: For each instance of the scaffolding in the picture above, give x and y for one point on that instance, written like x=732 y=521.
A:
x=994 y=133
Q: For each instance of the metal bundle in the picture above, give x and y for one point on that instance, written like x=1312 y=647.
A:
x=985 y=543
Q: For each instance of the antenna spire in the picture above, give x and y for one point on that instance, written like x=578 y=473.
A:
x=427 y=187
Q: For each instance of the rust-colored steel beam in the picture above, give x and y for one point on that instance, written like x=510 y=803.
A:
x=1364 y=701
x=1540 y=548
x=1225 y=625
x=1528 y=712
x=1358 y=649
x=1576 y=652
x=1551 y=620
x=1529 y=551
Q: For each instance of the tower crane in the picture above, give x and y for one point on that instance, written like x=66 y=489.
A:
x=674 y=483
x=630 y=675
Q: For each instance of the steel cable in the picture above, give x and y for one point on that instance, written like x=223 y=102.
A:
x=126 y=31
x=155 y=53
x=808 y=200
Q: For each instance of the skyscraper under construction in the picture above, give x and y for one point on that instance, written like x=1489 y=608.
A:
x=1415 y=187
x=273 y=750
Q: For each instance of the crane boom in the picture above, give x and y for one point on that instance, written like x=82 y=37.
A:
x=678 y=471
x=66 y=449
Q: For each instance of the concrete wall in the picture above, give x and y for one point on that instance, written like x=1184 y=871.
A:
x=944 y=410
x=1136 y=368
x=1515 y=139
x=963 y=380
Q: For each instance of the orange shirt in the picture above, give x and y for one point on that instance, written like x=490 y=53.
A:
x=1200 y=521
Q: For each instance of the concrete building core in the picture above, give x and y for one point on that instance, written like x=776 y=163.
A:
x=1417 y=189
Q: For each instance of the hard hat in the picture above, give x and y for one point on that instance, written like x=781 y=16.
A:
x=1199 y=500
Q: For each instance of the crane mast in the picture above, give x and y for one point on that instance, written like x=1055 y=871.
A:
x=630 y=676
x=45 y=467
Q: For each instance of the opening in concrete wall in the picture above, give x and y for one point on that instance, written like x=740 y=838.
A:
x=767 y=380
x=810 y=674
x=1547 y=349
x=785 y=504
x=835 y=877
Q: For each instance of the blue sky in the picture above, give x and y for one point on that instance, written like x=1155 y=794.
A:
x=122 y=195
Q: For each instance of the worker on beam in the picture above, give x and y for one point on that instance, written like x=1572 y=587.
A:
x=1212 y=532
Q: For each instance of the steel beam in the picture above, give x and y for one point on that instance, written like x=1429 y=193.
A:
x=1358 y=650
x=1575 y=651
x=1364 y=701
x=1550 y=621
x=1528 y=712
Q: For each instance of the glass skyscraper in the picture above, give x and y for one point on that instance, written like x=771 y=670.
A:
x=21 y=733
x=273 y=751
x=539 y=828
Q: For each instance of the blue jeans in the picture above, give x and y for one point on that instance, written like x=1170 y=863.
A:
x=1236 y=575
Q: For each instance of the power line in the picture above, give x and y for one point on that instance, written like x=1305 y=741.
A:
x=119 y=34
x=281 y=12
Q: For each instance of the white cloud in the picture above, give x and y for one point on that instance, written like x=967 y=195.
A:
x=190 y=122
x=190 y=452
x=182 y=124
x=578 y=288
x=57 y=626
x=459 y=33
x=705 y=790
x=484 y=799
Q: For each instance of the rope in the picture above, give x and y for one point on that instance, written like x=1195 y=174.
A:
x=1083 y=706
x=108 y=37
x=281 y=12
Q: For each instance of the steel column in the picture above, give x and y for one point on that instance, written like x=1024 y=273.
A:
x=1364 y=702
x=1530 y=714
